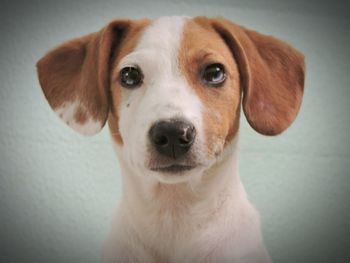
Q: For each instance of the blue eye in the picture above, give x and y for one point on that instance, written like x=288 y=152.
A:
x=130 y=77
x=213 y=74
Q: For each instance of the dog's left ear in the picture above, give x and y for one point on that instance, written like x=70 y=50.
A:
x=75 y=77
x=272 y=76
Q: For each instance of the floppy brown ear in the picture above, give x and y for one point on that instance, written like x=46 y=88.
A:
x=272 y=76
x=75 y=77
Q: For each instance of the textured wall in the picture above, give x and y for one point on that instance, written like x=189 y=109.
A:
x=58 y=190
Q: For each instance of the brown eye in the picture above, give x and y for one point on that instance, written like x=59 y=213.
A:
x=130 y=77
x=214 y=74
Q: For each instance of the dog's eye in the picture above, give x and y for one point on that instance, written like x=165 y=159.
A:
x=130 y=77
x=214 y=74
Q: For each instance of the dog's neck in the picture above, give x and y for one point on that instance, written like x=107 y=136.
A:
x=202 y=214
x=216 y=185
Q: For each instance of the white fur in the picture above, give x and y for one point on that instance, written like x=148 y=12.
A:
x=67 y=114
x=200 y=216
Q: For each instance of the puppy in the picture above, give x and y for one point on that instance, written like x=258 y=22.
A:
x=170 y=90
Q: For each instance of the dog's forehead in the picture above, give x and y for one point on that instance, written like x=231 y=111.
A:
x=163 y=33
x=165 y=38
x=158 y=42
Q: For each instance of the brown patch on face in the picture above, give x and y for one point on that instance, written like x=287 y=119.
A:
x=202 y=46
x=128 y=45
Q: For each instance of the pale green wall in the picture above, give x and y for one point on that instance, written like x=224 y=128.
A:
x=58 y=190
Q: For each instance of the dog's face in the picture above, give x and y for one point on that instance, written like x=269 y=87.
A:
x=171 y=89
x=180 y=106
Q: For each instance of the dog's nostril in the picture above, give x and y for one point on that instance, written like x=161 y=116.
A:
x=187 y=138
x=172 y=138
x=161 y=140
x=183 y=141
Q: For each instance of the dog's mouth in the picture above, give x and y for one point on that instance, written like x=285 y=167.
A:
x=173 y=169
x=169 y=166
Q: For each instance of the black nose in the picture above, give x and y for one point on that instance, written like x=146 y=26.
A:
x=172 y=138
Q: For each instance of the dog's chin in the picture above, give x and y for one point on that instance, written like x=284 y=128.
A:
x=175 y=173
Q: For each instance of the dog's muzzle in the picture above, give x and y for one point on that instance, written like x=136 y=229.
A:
x=172 y=138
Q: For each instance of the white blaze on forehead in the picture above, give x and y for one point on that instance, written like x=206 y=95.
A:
x=164 y=33
x=68 y=112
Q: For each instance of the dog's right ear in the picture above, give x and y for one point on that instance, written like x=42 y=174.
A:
x=75 y=77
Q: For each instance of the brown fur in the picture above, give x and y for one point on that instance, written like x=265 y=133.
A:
x=201 y=46
x=80 y=116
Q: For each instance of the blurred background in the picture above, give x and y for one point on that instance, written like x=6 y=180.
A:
x=58 y=190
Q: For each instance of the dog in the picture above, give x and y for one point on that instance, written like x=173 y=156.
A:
x=171 y=91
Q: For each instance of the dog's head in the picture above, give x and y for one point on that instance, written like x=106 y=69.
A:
x=171 y=89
